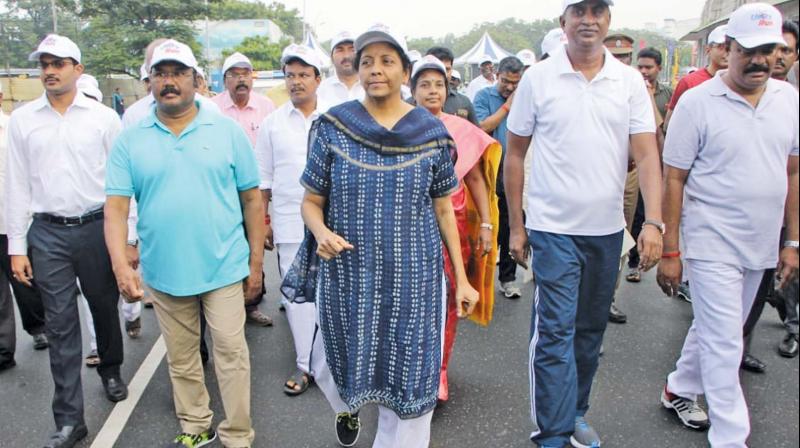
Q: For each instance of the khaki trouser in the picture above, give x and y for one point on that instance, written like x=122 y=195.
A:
x=631 y=198
x=179 y=319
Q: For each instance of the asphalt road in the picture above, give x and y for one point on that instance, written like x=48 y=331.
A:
x=489 y=385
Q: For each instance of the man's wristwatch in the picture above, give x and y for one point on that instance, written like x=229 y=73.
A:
x=659 y=225
x=133 y=243
x=793 y=244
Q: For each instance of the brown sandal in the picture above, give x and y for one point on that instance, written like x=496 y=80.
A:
x=92 y=359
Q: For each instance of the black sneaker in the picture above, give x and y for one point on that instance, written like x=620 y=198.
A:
x=348 y=427
x=186 y=440
x=40 y=342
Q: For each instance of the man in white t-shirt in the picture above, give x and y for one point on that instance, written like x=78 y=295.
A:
x=586 y=113
x=281 y=150
x=487 y=79
x=344 y=85
x=725 y=130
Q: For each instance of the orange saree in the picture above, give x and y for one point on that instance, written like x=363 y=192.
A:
x=473 y=147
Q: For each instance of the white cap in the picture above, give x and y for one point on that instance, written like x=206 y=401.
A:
x=528 y=57
x=486 y=58
x=456 y=74
x=380 y=33
x=568 y=3
x=58 y=46
x=429 y=62
x=302 y=52
x=88 y=85
x=172 y=50
x=553 y=40
x=236 y=60
x=143 y=75
x=756 y=24
x=414 y=56
x=717 y=36
x=200 y=72
x=341 y=37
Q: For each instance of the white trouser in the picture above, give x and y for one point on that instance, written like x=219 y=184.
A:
x=393 y=432
x=722 y=296
x=301 y=316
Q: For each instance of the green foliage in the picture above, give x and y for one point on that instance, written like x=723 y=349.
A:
x=264 y=54
x=24 y=24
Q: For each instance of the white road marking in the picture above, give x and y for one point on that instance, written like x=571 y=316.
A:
x=116 y=421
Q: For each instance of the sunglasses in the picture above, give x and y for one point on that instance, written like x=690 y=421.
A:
x=57 y=64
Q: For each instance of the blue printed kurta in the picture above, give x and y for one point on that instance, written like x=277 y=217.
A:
x=380 y=305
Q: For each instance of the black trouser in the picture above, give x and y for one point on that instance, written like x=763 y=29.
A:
x=8 y=328
x=508 y=267
x=636 y=229
x=765 y=292
x=60 y=255
x=29 y=301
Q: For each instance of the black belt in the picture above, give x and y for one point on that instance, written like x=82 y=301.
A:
x=70 y=221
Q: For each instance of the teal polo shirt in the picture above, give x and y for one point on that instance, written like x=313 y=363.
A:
x=190 y=226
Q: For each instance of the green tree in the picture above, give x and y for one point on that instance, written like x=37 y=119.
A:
x=23 y=24
x=264 y=54
x=118 y=31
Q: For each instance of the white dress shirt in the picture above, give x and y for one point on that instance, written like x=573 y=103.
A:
x=144 y=106
x=581 y=135
x=3 y=157
x=281 y=150
x=56 y=163
x=333 y=92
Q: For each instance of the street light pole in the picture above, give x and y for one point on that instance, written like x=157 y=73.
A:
x=55 y=16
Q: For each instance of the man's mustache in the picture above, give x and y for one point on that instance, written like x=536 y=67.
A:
x=169 y=89
x=756 y=68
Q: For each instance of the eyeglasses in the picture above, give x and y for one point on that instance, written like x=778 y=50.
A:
x=244 y=76
x=57 y=64
x=161 y=76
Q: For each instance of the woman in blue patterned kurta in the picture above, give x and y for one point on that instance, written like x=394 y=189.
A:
x=378 y=181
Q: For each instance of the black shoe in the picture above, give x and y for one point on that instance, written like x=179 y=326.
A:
x=788 y=347
x=40 y=342
x=616 y=316
x=348 y=427
x=7 y=364
x=753 y=364
x=67 y=437
x=116 y=390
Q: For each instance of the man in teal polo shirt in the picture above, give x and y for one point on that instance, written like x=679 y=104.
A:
x=201 y=231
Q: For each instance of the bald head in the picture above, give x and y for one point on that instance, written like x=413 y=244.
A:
x=148 y=52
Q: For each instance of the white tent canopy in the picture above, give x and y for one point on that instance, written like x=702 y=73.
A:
x=311 y=42
x=486 y=48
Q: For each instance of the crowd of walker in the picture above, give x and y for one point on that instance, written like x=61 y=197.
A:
x=393 y=196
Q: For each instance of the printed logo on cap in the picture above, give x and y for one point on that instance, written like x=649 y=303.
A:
x=764 y=19
x=50 y=40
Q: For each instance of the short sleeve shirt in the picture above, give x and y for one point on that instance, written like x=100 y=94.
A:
x=688 y=82
x=191 y=226
x=737 y=157
x=581 y=135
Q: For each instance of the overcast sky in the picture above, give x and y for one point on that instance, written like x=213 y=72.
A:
x=421 y=18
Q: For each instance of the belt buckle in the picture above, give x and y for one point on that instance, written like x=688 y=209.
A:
x=73 y=224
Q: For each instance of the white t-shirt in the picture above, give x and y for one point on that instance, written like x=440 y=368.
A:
x=476 y=85
x=737 y=157
x=281 y=151
x=3 y=156
x=581 y=135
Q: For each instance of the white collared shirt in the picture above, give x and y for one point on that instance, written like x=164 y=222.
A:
x=333 y=92
x=141 y=108
x=581 y=135
x=3 y=158
x=56 y=163
x=281 y=150
x=736 y=155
